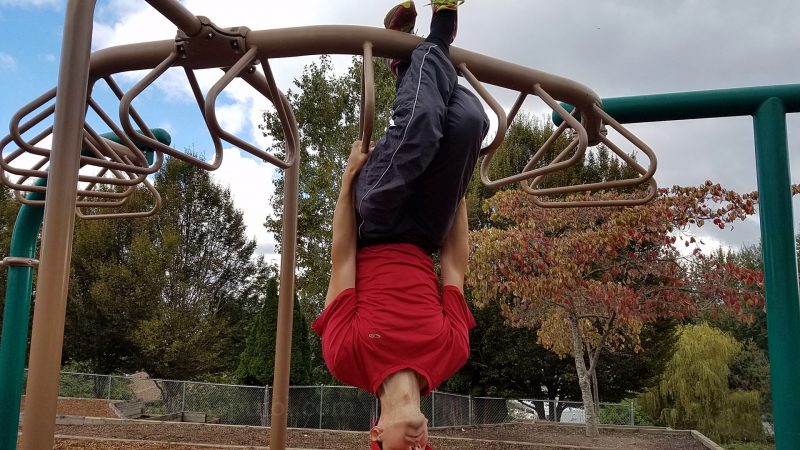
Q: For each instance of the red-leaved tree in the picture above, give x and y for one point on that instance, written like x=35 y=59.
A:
x=590 y=278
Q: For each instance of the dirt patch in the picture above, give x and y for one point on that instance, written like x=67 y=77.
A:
x=80 y=407
x=515 y=436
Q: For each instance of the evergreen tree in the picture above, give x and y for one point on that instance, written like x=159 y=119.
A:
x=257 y=362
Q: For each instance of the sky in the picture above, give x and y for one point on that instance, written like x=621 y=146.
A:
x=616 y=47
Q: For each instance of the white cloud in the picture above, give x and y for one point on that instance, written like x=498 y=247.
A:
x=250 y=182
x=7 y=62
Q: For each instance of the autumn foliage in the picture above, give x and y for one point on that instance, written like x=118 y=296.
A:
x=590 y=278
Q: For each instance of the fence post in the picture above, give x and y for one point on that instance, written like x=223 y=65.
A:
x=265 y=419
x=320 y=405
x=470 y=409
x=110 y=379
x=183 y=397
x=433 y=409
x=633 y=417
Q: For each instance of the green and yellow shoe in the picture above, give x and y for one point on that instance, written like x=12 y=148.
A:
x=445 y=4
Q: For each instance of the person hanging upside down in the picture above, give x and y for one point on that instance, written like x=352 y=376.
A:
x=387 y=327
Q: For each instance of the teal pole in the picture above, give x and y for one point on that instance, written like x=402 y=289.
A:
x=14 y=340
x=780 y=268
x=16 y=318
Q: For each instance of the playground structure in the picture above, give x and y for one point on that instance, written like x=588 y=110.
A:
x=83 y=165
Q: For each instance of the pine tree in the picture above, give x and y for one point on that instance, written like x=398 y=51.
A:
x=257 y=361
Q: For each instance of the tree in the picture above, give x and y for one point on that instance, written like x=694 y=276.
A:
x=590 y=278
x=205 y=257
x=694 y=391
x=257 y=362
x=507 y=361
x=115 y=282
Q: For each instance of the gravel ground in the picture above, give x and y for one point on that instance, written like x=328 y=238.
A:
x=525 y=436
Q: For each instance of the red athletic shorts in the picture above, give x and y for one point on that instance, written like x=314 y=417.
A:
x=395 y=319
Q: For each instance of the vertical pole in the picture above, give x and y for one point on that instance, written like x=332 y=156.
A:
x=320 y=405
x=265 y=419
x=780 y=269
x=110 y=380
x=433 y=408
x=183 y=397
x=14 y=340
x=633 y=417
x=59 y=223
x=470 y=409
x=283 y=342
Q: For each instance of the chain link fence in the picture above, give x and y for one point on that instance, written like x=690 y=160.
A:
x=321 y=407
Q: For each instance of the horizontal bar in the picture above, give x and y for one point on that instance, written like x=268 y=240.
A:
x=349 y=40
x=16 y=261
x=698 y=104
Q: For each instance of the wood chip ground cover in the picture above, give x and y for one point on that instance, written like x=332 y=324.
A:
x=524 y=436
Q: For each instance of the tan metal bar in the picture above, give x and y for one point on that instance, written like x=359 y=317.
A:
x=243 y=65
x=515 y=109
x=157 y=201
x=652 y=191
x=179 y=15
x=136 y=118
x=283 y=341
x=59 y=220
x=502 y=122
x=141 y=160
x=17 y=261
x=346 y=39
x=646 y=175
x=150 y=141
x=531 y=171
x=201 y=101
x=282 y=107
x=367 y=119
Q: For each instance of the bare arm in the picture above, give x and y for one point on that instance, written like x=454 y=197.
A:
x=455 y=250
x=343 y=250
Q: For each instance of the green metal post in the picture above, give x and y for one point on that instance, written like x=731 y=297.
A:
x=17 y=317
x=780 y=269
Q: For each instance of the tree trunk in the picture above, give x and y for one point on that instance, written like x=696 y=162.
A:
x=583 y=380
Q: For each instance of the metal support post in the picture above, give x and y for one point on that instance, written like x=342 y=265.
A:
x=183 y=397
x=433 y=408
x=320 y=405
x=780 y=268
x=59 y=223
x=283 y=343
